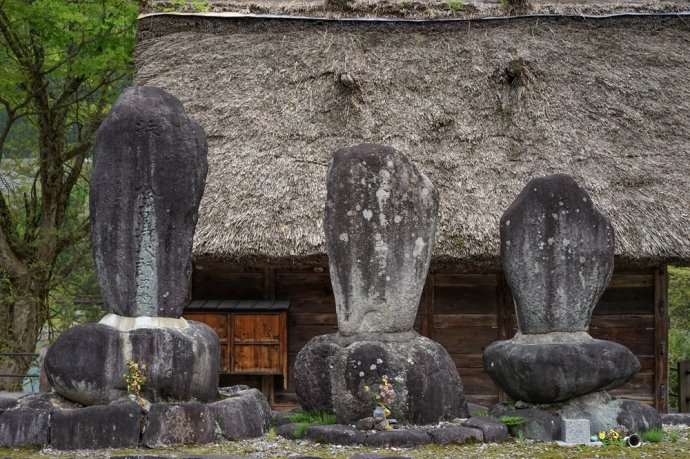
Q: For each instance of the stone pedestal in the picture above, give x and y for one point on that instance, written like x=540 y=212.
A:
x=557 y=254
x=380 y=223
x=148 y=178
x=334 y=370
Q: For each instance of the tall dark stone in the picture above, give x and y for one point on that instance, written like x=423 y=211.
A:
x=148 y=178
x=557 y=254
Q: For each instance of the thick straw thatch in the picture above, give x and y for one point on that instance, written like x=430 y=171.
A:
x=481 y=107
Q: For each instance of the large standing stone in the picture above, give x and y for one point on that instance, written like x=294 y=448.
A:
x=87 y=363
x=148 y=178
x=380 y=221
x=245 y=414
x=557 y=254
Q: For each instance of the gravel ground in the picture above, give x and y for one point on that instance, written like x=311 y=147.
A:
x=271 y=446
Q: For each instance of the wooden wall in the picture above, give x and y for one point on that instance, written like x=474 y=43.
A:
x=465 y=312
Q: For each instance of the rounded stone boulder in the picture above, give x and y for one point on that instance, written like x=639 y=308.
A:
x=87 y=364
x=556 y=367
x=332 y=371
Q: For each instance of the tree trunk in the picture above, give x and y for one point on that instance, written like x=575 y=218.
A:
x=24 y=311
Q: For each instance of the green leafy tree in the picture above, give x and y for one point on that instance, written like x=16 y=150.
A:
x=62 y=64
x=679 y=332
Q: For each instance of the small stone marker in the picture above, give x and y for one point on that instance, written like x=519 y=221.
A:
x=575 y=431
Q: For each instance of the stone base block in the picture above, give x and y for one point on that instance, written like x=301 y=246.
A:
x=24 y=427
x=178 y=424
x=244 y=414
x=96 y=427
x=87 y=363
x=604 y=413
x=331 y=372
x=544 y=371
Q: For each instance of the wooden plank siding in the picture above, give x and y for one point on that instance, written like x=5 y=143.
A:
x=465 y=312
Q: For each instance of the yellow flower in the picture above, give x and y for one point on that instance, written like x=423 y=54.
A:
x=366 y=388
x=602 y=435
x=388 y=427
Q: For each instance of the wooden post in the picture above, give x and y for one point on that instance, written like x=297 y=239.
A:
x=661 y=339
x=427 y=306
x=684 y=386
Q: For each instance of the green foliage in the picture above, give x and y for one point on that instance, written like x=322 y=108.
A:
x=456 y=5
x=679 y=331
x=62 y=64
x=306 y=419
x=652 y=435
x=511 y=421
x=196 y=6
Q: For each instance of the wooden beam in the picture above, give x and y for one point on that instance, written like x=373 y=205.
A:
x=661 y=322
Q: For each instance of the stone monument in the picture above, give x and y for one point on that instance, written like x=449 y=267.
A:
x=148 y=178
x=557 y=252
x=380 y=223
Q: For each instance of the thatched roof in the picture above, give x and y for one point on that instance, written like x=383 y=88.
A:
x=480 y=106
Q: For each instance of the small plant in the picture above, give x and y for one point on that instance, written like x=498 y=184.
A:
x=272 y=434
x=672 y=436
x=384 y=396
x=652 y=435
x=613 y=436
x=512 y=421
x=135 y=379
x=484 y=412
x=456 y=5
x=306 y=419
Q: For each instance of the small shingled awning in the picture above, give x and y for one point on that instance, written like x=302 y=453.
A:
x=237 y=305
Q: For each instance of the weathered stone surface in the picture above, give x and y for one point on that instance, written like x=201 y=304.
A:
x=376 y=456
x=604 y=412
x=675 y=418
x=178 y=424
x=7 y=402
x=398 y=438
x=366 y=423
x=380 y=222
x=113 y=426
x=148 y=178
x=538 y=424
x=575 y=431
x=24 y=427
x=87 y=363
x=493 y=430
x=557 y=255
x=335 y=434
x=331 y=376
x=556 y=367
x=455 y=435
x=288 y=430
x=247 y=414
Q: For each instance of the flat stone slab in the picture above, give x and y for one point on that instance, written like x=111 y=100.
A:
x=494 y=431
x=24 y=427
x=538 y=424
x=676 y=418
x=335 y=434
x=537 y=369
x=178 y=424
x=96 y=427
x=455 y=435
x=398 y=438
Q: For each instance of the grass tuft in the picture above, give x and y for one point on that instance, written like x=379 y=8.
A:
x=306 y=419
